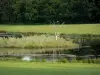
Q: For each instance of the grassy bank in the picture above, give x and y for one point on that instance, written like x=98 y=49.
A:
x=68 y=29
x=37 y=42
x=28 y=68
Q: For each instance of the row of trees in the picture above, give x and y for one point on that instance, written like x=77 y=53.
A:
x=49 y=11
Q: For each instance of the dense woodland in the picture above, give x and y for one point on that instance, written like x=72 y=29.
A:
x=49 y=11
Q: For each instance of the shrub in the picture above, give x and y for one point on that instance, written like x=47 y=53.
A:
x=97 y=61
x=62 y=60
x=43 y=60
x=37 y=60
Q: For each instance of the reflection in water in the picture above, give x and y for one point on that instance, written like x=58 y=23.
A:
x=37 y=54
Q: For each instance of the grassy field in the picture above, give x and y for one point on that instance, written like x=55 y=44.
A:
x=29 y=68
x=69 y=29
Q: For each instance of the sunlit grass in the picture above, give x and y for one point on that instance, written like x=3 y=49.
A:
x=29 y=68
x=68 y=29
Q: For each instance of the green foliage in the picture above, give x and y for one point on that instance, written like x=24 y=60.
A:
x=5 y=58
x=43 y=60
x=43 y=11
x=95 y=44
x=37 y=60
x=97 y=61
x=78 y=58
x=92 y=61
x=63 y=60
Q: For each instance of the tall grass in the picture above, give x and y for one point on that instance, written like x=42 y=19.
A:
x=37 y=42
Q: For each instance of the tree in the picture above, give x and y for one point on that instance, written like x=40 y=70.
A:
x=44 y=11
x=19 y=10
x=94 y=9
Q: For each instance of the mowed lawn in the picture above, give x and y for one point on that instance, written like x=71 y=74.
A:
x=68 y=29
x=29 y=68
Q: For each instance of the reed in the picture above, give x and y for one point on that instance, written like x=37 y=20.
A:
x=37 y=42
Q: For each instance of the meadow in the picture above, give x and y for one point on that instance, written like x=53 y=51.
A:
x=68 y=29
x=29 y=68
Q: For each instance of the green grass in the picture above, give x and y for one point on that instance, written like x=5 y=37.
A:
x=29 y=68
x=68 y=29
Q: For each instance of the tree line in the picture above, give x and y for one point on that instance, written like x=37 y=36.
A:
x=49 y=11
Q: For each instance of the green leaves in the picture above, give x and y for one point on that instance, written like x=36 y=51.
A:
x=44 y=11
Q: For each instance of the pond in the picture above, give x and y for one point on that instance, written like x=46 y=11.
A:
x=34 y=53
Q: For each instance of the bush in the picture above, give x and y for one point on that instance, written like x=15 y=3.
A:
x=33 y=60
x=78 y=58
x=43 y=60
x=62 y=60
x=97 y=61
